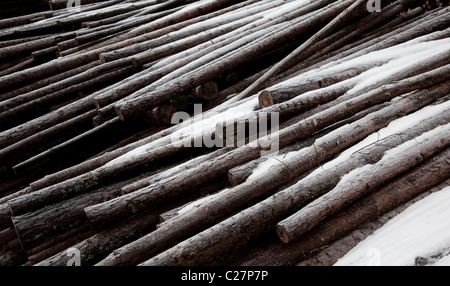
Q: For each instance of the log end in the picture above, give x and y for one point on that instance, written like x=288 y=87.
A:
x=265 y=99
x=282 y=234
x=207 y=91
x=119 y=113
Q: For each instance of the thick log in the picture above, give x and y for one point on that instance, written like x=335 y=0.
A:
x=206 y=92
x=363 y=180
x=238 y=197
x=382 y=200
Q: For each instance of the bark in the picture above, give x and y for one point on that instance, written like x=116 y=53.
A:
x=241 y=196
x=382 y=200
x=28 y=47
x=193 y=31
x=33 y=108
x=41 y=225
x=47 y=81
x=100 y=244
x=139 y=102
x=206 y=92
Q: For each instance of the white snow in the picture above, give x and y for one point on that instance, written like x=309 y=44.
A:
x=422 y=230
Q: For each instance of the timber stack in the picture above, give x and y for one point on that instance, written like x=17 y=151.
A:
x=121 y=120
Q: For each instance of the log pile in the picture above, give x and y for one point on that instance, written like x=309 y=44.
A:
x=120 y=127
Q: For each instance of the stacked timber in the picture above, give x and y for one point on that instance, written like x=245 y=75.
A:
x=121 y=127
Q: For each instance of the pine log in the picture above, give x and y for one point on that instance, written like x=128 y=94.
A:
x=41 y=141
x=239 y=197
x=382 y=200
x=363 y=182
x=58 y=243
x=36 y=227
x=206 y=92
x=351 y=32
x=78 y=148
x=100 y=244
x=431 y=27
x=6 y=236
x=44 y=82
x=328 y=97
x=33 y=108
x=176 y=170
x=13 y=258
x=101 y=32
x=262 y=217
x=28 y=47
x=5 y=216
x=241 y=173
x=243 y=16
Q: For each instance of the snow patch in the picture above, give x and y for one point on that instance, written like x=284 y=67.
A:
x=421 y=230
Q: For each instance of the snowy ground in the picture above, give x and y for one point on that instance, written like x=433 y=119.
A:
x=419 y=234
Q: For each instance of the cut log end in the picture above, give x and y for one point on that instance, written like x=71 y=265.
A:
x=282 y=234
x=207 y=91
x=232 y=178
x=265 y=99
x=119 y=113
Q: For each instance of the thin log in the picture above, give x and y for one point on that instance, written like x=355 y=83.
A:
x=282 y=64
